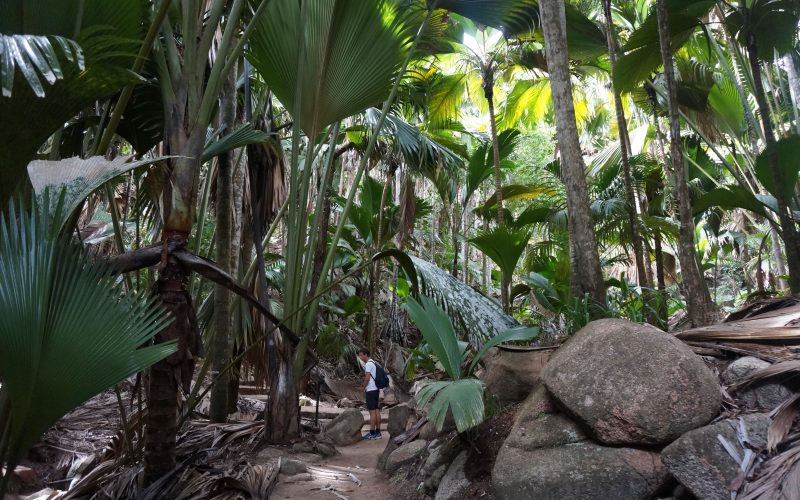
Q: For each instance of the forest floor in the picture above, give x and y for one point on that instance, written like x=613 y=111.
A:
x=330 y=477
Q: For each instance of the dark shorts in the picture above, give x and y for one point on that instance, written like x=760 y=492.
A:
x=372 y=399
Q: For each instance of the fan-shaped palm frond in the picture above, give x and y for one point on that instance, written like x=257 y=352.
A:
x=65 y=332
x=352 y=52
x=641 y=54
x=417 y=149
x=478 y=316
x=36 y=58
x=78 y=177
x=504 y=245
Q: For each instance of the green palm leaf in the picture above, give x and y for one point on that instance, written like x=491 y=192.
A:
x=79 y=85
x=66 y=333
x=438 y=332
x=353 y=50
x=478 y=316
x=463 y=398
x=503 y=245
x=642 y=54
x=77 y=178
x=36 y=58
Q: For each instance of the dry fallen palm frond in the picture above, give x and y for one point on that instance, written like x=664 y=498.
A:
x=258 y=480
x=784 y=369
x=773 y=325
x=767 y=352
x=782 y=420
x=779 y=476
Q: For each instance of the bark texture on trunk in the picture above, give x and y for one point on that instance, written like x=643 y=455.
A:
x=622 y=125
x=218 y=411
x=794 y=87
x=788 y=231
x=698 y=299
x=283 y=410
x=585 y=274
x=488 y=93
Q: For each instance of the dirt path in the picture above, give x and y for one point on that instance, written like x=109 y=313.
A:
x=330 y=476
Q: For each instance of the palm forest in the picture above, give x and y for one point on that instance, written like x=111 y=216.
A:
x=541 y=218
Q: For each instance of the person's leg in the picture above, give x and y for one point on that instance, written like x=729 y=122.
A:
x=375 y=420
x=372 y=407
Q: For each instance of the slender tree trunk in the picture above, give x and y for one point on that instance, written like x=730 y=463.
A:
x=698 y=299
x=161 y=422
x=375 y=267
x=794 y=87
x=622 y=125
x=488 y=92
x=455 y=218
x=788 y=231
x=661 y=283
x=585 y=274
x=238 y=252
x=221 y=353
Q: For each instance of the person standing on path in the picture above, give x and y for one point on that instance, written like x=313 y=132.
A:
x=372 y=394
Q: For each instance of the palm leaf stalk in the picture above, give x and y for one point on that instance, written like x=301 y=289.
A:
x=361 y=169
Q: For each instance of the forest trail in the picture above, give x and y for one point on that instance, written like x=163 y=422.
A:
x=330 y=476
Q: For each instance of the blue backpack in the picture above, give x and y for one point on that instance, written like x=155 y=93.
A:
x=381 y=379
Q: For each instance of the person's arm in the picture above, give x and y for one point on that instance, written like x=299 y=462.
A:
x=366 y=379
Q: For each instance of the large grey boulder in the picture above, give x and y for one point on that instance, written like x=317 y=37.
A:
x=511 y=375
x=441 y=451
x=632 y=384
x=398 y=417
x=698 y=460
x=345 y=429
x=292 y=466
x=537 y=425
x=455 y=482
x=766 y=396
x=578 y=471
x=405 y=454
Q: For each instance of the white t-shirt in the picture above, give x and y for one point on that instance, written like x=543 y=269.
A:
x=369 y=367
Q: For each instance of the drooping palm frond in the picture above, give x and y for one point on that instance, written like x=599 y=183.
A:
x=641 y=54
x=461 y=396
x=65 y=332
x=417 y=149
x=36 y=58
x=352 y=52
x=510 y=16
x=77 y=177
x=478 y=316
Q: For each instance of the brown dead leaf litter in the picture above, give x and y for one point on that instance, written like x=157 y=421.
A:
x=82 y=457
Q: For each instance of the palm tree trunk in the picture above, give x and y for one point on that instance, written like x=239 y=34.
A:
x=622 y=125
x=698 y=298
x=661 y=282
x=455 y=218
x=794 y=87
x=498 y=184
x=161 y=422
x=375 y=266
x=586 y=278
x=788 y=231
x=218 y=411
